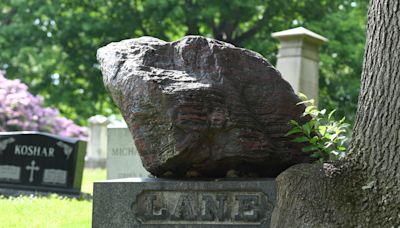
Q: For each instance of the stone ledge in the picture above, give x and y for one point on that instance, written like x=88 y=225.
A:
x=152 y=202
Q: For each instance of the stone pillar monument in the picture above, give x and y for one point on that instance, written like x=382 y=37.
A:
x=97 y=142
x=298 y=59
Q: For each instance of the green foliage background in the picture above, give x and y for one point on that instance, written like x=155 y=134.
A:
x=51 y=44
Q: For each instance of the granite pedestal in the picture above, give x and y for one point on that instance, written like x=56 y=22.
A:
x=153 y=202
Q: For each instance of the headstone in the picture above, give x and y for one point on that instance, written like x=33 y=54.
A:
x=42 y=162
x=123 y=160
x=97 y=142
x=183 y=203
x=298 y=59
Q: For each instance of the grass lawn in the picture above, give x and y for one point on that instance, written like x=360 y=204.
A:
x=51 y=211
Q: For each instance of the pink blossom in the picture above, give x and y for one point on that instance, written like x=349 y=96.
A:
x=22 y=111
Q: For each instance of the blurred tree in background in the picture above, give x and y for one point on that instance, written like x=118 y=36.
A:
x=22 y=111
x=51 y=45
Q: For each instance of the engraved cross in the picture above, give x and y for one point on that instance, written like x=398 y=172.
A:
x=32 y=169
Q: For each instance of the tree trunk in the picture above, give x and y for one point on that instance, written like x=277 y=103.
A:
x=362 y=190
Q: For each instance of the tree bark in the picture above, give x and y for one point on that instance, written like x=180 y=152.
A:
x=363 y=190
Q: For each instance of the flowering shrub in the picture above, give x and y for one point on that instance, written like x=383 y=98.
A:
x=22 y=111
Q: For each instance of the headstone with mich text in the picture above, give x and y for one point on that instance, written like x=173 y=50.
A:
x=33 y=161
x=123 y=159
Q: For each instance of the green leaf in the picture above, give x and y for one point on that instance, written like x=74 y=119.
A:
x=315 y=155
x=344 y=125
x=307 y=128
x=305 y=102
x=310 y=148
x=302 y=96
x=322 y=130
x=301 y=139
x=312 y=123
x=293 y=123
x=293 y=131
x=314 y=140
x=331 y=113
x=310 y=108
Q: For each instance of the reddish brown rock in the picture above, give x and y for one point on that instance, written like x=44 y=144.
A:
x=201 y=107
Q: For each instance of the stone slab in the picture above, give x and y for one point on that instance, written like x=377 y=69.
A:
x=97 y=142
x=37 y=161
x=152 y=202
x=123 y=159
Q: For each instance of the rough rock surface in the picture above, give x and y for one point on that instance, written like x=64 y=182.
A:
x=201 y=107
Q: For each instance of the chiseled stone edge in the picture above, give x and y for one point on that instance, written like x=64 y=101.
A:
x=114 y=200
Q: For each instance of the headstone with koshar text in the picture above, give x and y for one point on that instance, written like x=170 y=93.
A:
x=33 y=161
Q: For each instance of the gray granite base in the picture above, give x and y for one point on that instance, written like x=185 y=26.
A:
x=152 y=202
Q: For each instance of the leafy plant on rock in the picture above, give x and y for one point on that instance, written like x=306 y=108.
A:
x=325 y=138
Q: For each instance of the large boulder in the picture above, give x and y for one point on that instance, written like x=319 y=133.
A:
x=202 y=107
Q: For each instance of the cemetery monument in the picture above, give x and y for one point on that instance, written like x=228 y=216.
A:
x=97 y=142
x=199 y=110
x=40 y=162
x=123 y=159
x=298 y=59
